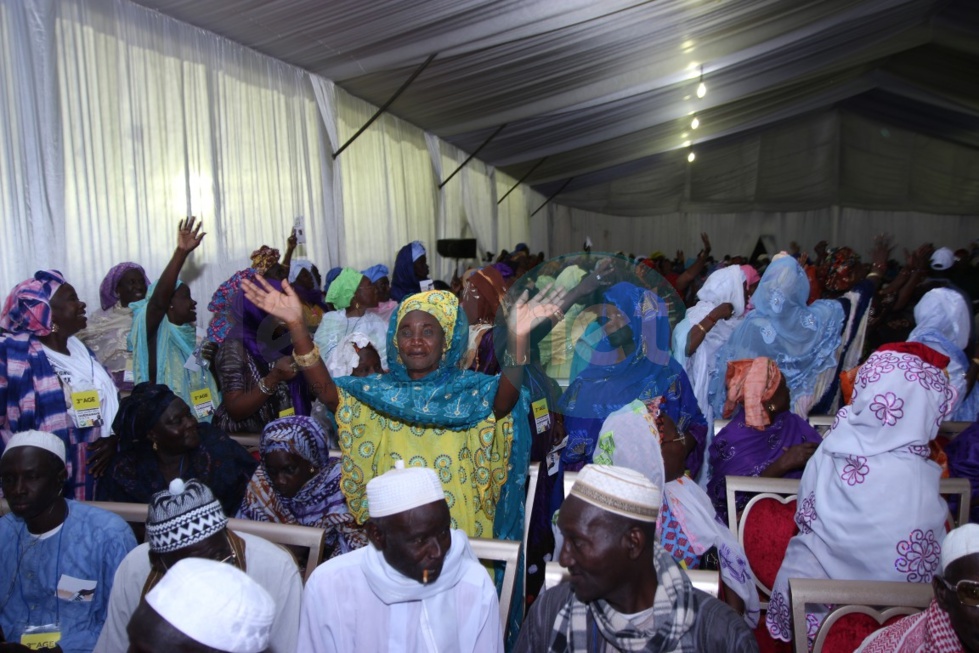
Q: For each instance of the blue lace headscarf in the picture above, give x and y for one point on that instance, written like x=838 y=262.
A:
x=801 y=339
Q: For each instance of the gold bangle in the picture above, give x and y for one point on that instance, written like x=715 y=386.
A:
x=975 y=361
x=874 y=274
x=308 y=359
x=701 y=327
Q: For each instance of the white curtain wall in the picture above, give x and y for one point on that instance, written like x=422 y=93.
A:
x=116 y=121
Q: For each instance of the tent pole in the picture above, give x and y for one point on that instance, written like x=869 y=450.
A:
x=522 y=179
x=471 y=156
x=553 y=195
x=377 y=114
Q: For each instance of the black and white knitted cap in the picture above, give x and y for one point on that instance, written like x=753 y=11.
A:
x=183 y=515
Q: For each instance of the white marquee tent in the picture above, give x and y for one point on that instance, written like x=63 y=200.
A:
x=834 y=119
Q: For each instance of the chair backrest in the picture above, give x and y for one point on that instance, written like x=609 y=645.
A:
x=283 y=534
x=704 y=580
x=859 y=608
x=765 y=526
x=507 y=552
x=249 y=441
x=957 y=487
x=307 y=537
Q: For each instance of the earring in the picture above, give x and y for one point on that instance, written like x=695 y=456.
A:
x=155 y=448
x=771 y=408
x=312 y=470
x=54 y=328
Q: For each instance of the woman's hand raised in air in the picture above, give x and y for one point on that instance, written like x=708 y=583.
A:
x=284 y=305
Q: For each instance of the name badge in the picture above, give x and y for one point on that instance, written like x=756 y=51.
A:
x=554 y=457
x=127 y=375
x=542 y=417
x=287 y=412
x=38 y=641
x=426 y=285
x=88 y=408
x=203 y=404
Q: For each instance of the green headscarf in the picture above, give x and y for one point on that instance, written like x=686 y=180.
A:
x=342 y=289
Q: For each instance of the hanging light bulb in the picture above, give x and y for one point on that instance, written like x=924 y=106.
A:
x=691 y=157
x=695 y=123
x=701 y=88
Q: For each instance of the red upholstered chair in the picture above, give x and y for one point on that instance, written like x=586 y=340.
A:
x=858 y=609
x=764 y=529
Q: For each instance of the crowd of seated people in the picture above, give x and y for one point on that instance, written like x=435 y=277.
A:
x=682 y=372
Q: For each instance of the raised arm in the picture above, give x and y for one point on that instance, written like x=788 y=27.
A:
x=685 y=279
x=287 y=306
x=291 y=243
x=189 y=236
x=521 y=320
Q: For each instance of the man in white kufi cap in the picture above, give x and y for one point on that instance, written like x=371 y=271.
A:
x=625 y=592
x=951 y=622
x=186 y=521
x=416 y=587
x=203 y=606
x=57 y=556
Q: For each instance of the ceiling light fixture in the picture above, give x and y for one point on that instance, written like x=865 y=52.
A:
x=691 y=157
x=695 y=123
x=702 y=88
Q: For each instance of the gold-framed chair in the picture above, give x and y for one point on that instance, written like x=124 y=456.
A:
x=862 y=606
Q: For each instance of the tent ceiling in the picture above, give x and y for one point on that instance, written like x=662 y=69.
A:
x=602 y=89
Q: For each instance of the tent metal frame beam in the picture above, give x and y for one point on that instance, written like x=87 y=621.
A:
x=384 y=107
x=473 y=155
x=521 y=180
x=553 y=195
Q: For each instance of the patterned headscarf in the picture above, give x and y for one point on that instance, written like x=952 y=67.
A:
x=751 y=382
x=108 y=296
x=440 y=304
x=139 y=412
x=840 y=268
x=302 y=436
x=28 y=307
x=263 y=258
x=343 y=288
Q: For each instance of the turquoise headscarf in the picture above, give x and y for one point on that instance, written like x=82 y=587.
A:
x=174 y=345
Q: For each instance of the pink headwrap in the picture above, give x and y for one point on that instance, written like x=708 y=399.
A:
x=28 y=307
x=751 y=382
x=750 y=274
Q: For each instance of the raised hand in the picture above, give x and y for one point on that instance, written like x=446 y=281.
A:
x=292 y=240
x=881 y=251
x=189 y=234
x=284 y=305
x=706 y=240
x=527 y=312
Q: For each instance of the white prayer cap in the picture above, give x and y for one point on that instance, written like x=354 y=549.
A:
x=619 y=490
x=401 y=489
x=40 y=439
x=215 y=604
x=942 y=259
x=960 y=542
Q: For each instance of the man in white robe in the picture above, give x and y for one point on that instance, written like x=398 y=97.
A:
x=186 y=521
x=416 y=587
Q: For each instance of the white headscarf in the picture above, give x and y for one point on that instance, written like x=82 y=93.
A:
x=943 y=310
x=345 y=357
x=868 y=506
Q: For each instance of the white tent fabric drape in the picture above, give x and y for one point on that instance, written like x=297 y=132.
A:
x=116 y=122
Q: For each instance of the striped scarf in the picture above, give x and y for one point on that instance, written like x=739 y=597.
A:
x=32 y=398
x=672 y=618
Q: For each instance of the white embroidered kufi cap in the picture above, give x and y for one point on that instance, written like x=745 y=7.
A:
x=215 y=604
x=40 y=439
x=960 y=542
x=401 y=489
x=619 y=490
